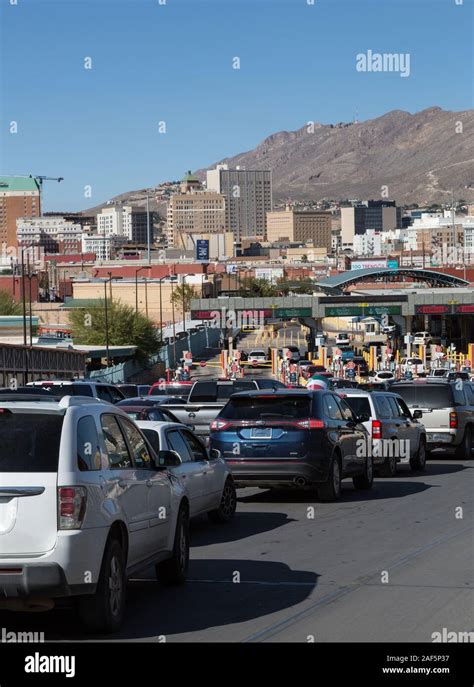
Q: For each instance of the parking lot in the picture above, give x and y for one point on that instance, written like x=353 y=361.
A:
x=395 y=564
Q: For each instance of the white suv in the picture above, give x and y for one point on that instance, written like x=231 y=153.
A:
x=84 y=503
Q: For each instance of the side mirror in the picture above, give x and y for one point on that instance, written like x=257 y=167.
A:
x=417 y=414
x=168 y=459
x=215 y=454
x=364 y=417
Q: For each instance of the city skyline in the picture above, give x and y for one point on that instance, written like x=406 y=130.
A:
x=152 y=63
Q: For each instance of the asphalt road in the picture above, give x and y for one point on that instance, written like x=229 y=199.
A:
x=275 y=574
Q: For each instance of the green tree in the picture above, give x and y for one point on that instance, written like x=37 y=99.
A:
x=303 y=286
x=8 y=305
x=304 y=258
x=257 y=288
x=183 y=294
x=126 y=327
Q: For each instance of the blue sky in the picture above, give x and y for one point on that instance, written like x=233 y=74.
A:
x=173 y=63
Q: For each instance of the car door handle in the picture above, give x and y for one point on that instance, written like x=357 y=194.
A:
x=149 y=482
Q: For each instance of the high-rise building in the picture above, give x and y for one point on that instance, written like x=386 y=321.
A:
x=19 y=197
x=305 y=226
x=124 y=220
x=381 y=215
x=194 y=211
x=248 y=195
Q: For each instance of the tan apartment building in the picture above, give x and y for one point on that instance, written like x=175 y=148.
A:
x=19 y=197
x=196 y=212
x=306 y=226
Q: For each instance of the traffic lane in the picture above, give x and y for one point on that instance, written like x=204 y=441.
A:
x=296 y=569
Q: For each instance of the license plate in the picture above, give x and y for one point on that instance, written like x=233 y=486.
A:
x=261 y=433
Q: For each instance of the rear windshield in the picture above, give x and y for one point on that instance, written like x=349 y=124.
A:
x=429 y=396
x=284 y=408
x=29 y=442
x=359 y=406
x=210 y=392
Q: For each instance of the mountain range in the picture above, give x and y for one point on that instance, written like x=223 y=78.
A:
x=411 y=158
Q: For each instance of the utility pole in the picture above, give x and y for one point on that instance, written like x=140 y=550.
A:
x=148 y=233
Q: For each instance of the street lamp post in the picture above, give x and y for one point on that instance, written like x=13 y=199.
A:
x=106 y=314
x=144 y=267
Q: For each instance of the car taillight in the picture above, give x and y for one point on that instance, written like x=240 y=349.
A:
x=71 y=507
x=376 y=429
x=218 y=425
x=453 y=420
x=310 y=424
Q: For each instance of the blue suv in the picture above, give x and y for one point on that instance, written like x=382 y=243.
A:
x=293 y=438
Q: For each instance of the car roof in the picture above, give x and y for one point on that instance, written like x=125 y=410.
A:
x=265 y=393
x=154 y=424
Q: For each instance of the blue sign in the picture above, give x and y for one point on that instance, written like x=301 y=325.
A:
x=202 y=250
x=392 y=264
x=350 y=372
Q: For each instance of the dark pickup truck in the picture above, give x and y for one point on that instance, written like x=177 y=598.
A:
x=207 y=398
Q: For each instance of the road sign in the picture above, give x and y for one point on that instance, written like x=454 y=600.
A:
x=255 y=363
x=202 y=363
x=351 y=372
x=337 y=351
x=350 y=365
x=237 y=355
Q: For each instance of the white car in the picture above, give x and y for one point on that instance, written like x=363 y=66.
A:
x=413 y=365
x=99 y=390
x=204 y=475
x=84 y=504
x=421 y=338
x=389 y=329
x=343 y=339
x=258 y=357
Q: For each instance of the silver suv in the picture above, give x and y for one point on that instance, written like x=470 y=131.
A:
x=84 y=503
x=447 y=409
x=396 y=435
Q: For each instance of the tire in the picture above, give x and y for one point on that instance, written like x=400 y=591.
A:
x=464 y=450
x=228 y=504
x=103 y=611
x=418 y=463
x=389 y=466
x=174 y=570
x=364 y=482
x=331 y=489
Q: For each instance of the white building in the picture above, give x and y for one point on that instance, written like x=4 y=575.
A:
x=248 y=198
x=104 y=247
x=54 y=234
x=368 y=244
x=124 y=220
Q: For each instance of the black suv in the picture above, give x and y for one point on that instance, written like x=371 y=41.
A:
x=295 y=438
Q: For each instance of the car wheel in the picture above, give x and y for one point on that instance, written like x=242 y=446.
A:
x=174 y=570
x=464 y=450
x=389 y=466
x=365 y=481
x=228 y=504
x=419 y=461
x=103 y=611
x=331 y=489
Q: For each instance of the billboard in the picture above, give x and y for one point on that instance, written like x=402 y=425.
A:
x=368 y=263
x=202 y=250
x=271 y=274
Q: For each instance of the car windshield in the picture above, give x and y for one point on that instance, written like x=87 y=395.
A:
x=415 y=361
x=267 y=408
x=429 y=396
x=29 y=442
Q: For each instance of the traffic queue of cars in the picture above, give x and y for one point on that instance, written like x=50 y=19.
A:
x=101 y=486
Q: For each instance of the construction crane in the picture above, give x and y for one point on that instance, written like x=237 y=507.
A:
x=40 y=178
